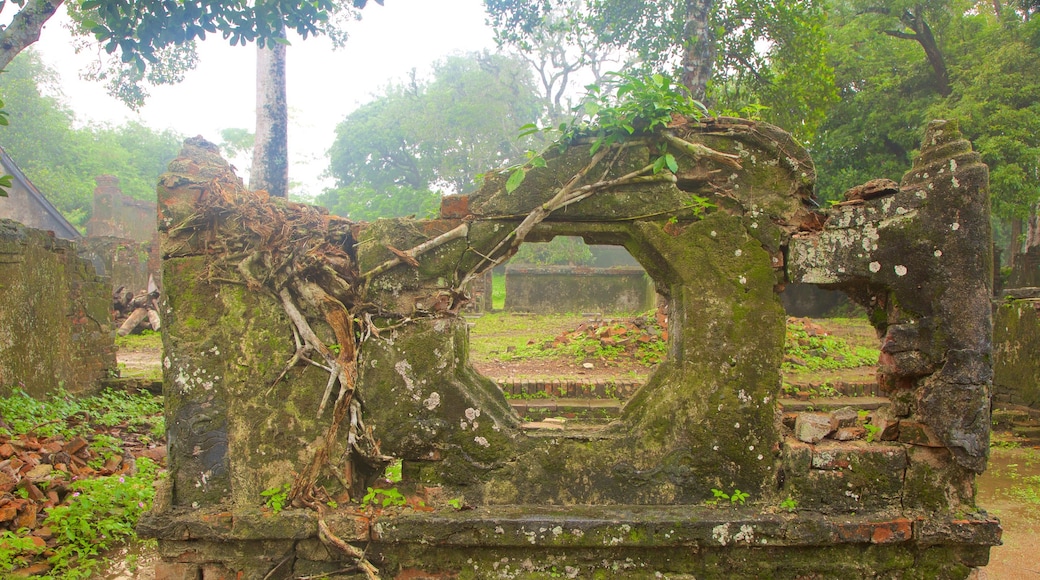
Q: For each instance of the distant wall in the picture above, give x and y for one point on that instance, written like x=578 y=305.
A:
x=1026 y=272
x=1016 y=350
x=578 y=289
x=126 y=263
x=55 y=324
x=811 y=300
x=120 y=216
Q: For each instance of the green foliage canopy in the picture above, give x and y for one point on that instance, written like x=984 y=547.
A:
x=392 y=155
x=62 y=159
x=891 y=83
x=770 y=58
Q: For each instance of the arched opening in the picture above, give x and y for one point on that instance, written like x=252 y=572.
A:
x=574 y=331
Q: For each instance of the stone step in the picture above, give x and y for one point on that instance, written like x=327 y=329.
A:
x=849 y=389
x=1030 y=432
x=133 y=384
x=569 y=388
x=832 y=403
x=570 y=408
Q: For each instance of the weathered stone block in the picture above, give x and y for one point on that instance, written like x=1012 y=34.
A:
x=1016 y=339
x=934 y=483
x=850 y=477
x=850 y=433
x=916 y=433
x=812 y=427
x=844 y=417
x=176 y=571
x=55 y=323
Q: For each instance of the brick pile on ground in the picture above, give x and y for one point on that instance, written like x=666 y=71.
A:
x=628 y=333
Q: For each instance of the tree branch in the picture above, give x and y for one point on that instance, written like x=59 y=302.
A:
x=901 y=34
x=25 y=28
x=459 y=232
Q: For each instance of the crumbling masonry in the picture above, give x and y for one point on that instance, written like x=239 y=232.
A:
x=304 y=352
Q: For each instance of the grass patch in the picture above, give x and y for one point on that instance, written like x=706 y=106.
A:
x=509 y=337
x=90 y=509
x=498 y=291
x=67 y=416
x=807 y=348
x=102 y=514
x=497 y=335
x=147 y=340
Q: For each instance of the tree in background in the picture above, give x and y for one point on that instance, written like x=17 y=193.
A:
x=900 y=63
x=270 y=169
x=564 y=53
x=393 y=155
x=61 y=159
x=764 y=59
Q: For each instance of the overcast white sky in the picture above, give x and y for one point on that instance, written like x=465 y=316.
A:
x=324 y=85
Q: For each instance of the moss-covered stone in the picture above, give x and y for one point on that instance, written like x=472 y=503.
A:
x=1016 y=366
x=55 y=323
x=629 y=497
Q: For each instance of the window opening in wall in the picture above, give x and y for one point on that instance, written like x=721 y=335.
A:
x=830 y=364
x=574 y=330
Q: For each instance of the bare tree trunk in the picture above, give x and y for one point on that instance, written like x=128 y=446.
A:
x=699 y=53
x=1033 y=230
x=271 y=150
x=25 y=28
x=1015 y=247
x=923 y=35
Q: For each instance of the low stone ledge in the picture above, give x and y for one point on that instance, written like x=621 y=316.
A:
x=585 y=527
x=289 y=524
x=1025 y=293
x=698 y=527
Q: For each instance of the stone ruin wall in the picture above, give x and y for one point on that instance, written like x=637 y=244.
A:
x=256 y=288
x=578 y=289
x=122 y=241
x=55 y=325
x=1016 y=336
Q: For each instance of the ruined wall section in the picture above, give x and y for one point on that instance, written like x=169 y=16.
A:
x=227 y=344
x=117 y=215
x=920 y=260
x=55 y=325
x=242 y=387
x=578 y=289
x=1016 y=340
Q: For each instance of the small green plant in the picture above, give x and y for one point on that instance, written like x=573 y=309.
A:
x=102 y=513
x=872 y=431
x=17 y=549
x=276 y=497
x=389 y=496
x=383 y=497
x=790 y=504
x=455 y=502
x=737 y=497
x=698 y=204
x=392 y=473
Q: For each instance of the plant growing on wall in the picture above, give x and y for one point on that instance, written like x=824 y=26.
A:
x=612 y=121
